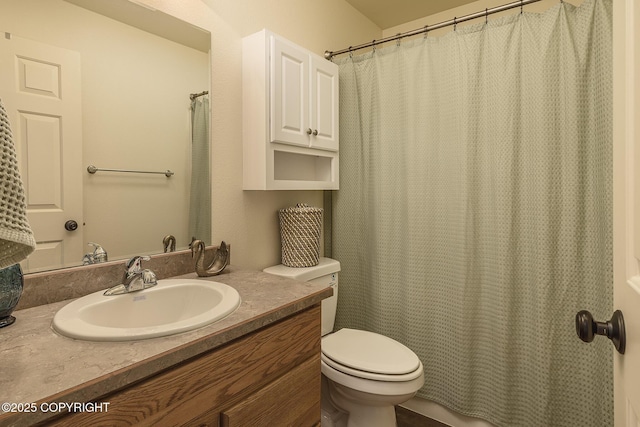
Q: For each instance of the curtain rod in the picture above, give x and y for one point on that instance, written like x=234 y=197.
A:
x=196 y=95
x=520 y=3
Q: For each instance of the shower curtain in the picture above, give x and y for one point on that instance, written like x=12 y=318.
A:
x=474 y=217
x=200 y=198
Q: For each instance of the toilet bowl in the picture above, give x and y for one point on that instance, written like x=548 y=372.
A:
x=365 y=374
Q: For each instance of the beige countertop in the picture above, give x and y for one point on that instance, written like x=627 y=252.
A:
x=39 y=365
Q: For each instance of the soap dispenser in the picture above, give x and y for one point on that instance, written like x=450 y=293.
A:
x=98 y=255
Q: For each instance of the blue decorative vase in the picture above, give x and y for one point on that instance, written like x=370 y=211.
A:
x=11 y=282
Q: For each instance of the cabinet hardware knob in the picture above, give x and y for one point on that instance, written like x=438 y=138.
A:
x=315 y=132
x=309 y=131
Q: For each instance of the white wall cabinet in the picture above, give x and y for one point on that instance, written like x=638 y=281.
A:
x=290 y=116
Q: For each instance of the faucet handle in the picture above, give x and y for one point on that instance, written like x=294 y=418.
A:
x=149 y=278
x=99 y=254
x=134 y=265
x=134 y=278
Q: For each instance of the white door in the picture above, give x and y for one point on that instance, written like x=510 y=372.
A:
x=289 y=94
x=40 y=88
x=626 y=221
x=324 y=104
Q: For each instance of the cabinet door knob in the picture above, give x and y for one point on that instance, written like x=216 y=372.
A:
x=315 y=132
x=309 y=131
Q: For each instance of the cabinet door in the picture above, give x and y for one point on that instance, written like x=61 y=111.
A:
x=289 y=94
x=291 y=400
x=324 y=104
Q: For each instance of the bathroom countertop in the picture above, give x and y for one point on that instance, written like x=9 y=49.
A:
x=39 y=365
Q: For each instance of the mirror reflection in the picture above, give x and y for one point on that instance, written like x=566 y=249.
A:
x=117 y=86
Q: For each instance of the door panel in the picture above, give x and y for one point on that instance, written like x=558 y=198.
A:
x=40 y=147
x=40 y=89
x=626 y=206
x=324 y=101
x=289 y=94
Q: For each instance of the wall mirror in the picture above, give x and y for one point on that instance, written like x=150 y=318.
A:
x=105 y=83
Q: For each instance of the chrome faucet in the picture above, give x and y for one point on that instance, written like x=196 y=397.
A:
x=134 y=278
x=98 y=255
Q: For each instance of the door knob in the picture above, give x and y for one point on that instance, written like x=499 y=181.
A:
x=587 y=328
x=71 y=225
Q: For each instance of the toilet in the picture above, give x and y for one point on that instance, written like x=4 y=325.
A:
x=364 y=374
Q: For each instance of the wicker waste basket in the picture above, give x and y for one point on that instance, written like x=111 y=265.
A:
x=300 y=234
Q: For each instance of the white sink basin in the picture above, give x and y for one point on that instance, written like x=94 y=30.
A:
x=170 y=307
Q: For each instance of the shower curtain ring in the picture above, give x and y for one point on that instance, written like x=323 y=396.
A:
x=455 y=23
x=426 y=31
x=350 y=52
x=486 y=16
x=373 y=43
x=521 y=7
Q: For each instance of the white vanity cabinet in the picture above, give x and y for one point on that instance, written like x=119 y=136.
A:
x=290 y=116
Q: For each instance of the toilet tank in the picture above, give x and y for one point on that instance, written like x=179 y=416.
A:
x=326 y=273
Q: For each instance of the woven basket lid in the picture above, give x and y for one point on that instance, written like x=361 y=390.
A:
x=301 y=207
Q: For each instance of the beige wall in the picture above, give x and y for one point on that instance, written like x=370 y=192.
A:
x=248 y=219
x=468 y=9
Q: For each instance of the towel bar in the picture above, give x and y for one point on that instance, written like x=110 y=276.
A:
x=92 y=169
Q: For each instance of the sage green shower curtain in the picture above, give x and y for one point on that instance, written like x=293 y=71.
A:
x=474 y=216
x=200 y=198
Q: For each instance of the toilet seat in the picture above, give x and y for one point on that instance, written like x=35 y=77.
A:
x=371 y=356
x=380 y=388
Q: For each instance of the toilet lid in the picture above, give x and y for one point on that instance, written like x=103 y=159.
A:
x=369 y=352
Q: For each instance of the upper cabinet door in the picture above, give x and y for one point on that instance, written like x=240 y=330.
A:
x=289 y=94
x=324 y=104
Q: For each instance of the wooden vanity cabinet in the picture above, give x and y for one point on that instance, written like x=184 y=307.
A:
x=266 y=378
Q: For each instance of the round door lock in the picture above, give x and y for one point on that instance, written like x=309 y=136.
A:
x=71 y=225
x=587 y=328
